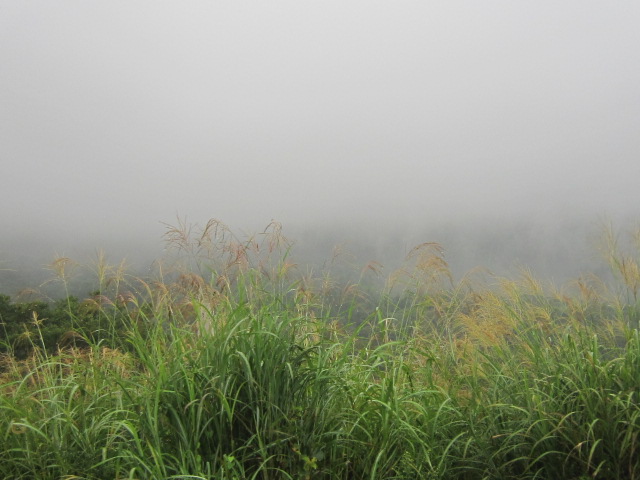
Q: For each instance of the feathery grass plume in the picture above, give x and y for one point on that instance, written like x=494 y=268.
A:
x=63 y=267
x=372 y=266
x=623 y=261
x=489 y=322
x=109 y=277
x=425 y=268
x=28 y=295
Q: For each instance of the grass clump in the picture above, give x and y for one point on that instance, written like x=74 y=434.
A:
x=229 y=363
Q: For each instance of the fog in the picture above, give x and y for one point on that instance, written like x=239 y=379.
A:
x=507 y=131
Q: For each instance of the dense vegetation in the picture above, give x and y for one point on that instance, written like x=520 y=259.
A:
x=231 y=363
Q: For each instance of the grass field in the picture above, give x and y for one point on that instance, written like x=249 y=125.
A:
x=231 y=362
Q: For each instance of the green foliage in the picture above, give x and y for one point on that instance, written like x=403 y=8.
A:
x=64 y=323
x=263 y=376
x=29 y=324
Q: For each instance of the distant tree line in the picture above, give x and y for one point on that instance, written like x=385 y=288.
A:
x=49 y=326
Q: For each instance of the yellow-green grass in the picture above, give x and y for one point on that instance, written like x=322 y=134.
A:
x=231 y=363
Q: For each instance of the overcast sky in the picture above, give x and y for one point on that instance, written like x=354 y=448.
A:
x=116 y=116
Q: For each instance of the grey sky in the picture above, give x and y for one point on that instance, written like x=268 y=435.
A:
x=117 y=115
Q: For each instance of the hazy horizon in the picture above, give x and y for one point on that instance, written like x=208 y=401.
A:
x=378 y=124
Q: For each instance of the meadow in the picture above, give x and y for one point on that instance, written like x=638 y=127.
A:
x=229 y=361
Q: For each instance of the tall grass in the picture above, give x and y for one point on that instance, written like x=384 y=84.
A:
x=232 y=363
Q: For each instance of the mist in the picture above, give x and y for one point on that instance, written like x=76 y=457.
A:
x=506 y=131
